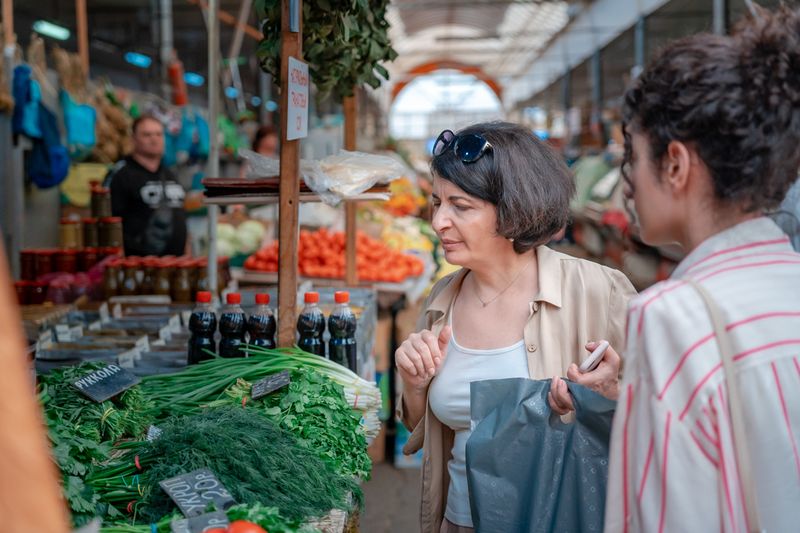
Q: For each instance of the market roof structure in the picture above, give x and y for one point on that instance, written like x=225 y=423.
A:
x=495 y=40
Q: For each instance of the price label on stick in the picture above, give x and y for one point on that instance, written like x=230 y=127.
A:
x=193 y=492
x=200 y=524
x=270 y=384
x=104 y=383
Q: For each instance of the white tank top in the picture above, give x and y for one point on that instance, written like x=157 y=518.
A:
x=449 y=399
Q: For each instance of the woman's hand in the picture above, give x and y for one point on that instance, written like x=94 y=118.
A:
x=604 y=380
x=420 y=356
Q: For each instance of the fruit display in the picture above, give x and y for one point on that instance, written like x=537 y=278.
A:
x=321 y=254
x=406 y=199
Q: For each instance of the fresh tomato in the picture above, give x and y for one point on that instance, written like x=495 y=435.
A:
x=216 y=530
x=243 y=526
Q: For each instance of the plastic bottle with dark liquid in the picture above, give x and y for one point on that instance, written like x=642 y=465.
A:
x=232 y=327
x=203 y=325
x=311 y=326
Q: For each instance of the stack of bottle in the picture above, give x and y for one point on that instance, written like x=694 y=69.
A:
x=259 y=328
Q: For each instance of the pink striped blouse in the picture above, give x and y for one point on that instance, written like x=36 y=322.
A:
x=672 y=465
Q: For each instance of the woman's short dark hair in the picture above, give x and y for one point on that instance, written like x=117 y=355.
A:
x=735 y=98
x=521 y=176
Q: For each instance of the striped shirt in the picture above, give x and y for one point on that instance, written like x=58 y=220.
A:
x=673 y=465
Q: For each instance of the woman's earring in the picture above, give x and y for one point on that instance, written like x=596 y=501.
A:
x=511 y=239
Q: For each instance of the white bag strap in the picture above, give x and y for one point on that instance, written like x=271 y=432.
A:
x=735 y=406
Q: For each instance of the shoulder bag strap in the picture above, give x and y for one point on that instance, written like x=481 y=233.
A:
x=735 y=406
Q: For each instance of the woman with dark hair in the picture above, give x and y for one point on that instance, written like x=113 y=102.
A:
x=515 y=309
x=265 y=141
x=707 y=433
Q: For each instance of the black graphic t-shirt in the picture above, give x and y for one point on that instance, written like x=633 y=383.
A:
x=151 y=207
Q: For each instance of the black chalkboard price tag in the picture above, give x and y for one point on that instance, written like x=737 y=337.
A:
x=270 y=384
x=104 y=383
x=200 y=523
x=193 y=492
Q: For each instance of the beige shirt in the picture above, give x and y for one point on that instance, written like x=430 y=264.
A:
x=578 y=301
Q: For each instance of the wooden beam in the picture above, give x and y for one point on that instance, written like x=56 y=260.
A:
x=291 y=46
x=230 y=20
x=8 y=22
x=350 y=134
x=83 y=35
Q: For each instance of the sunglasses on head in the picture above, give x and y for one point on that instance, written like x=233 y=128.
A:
x=468 y=147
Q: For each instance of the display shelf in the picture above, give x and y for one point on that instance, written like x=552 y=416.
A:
x=261 y=199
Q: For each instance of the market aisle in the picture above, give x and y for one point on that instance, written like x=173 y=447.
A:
x=392 y=500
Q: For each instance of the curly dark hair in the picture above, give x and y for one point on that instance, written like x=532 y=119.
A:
x=735 y=99
x=528 y=183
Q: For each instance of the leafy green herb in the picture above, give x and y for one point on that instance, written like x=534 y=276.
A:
x=83 y=432
x=313 y=409
x=344 y=42
x=257 y=461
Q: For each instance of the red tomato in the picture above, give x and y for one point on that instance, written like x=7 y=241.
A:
x=243 y=526
x=216 y=530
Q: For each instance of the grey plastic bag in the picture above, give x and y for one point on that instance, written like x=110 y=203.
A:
x=527 y=471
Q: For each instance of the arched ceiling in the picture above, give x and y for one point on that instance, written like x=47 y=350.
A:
x=498 y=37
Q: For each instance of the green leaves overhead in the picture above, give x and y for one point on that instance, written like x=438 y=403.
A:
x=344 y=42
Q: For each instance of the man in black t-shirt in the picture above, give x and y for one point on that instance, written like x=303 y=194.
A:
x=147 y=196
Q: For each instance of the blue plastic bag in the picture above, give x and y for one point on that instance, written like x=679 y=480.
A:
x=79 y=120
x=27 y=96
x=48 y=161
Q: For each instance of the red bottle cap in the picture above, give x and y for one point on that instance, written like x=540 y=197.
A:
x=234 y=298
x=203 y=297
x=262 y=298
x=341 y=297
x=312 y=297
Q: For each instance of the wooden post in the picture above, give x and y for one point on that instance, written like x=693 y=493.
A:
x=350 y=133
x=83 y=35
x=291 y=46
x=8 y=23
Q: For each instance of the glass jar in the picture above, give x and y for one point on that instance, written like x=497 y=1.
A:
x=149 y=266
x=27 y=265
x=110 y=232
x=90 y=236
x=44 y=261
x=101 y=202
x=22 y=289
x=200 y=275
x=182 y=282
x=67 y=261
x=109 y=251
x=129 y=286
x=87 y=258
x=37 y=292
x=111 y=278
x=70 y=234
x=161 y=281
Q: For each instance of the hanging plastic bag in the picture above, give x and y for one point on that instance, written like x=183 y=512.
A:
x=27 y=97
x=528 y=471
x=48 y=161
x=79 y=121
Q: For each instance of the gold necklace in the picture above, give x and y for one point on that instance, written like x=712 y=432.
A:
x=496 y=296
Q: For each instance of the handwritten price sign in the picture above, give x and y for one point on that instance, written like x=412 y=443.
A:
x=297 y=115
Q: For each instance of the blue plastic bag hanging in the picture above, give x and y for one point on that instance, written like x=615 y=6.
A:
x=528 y=471
x=48 y=160
x=27 y=96
x=79 y=120
x=201 y=147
